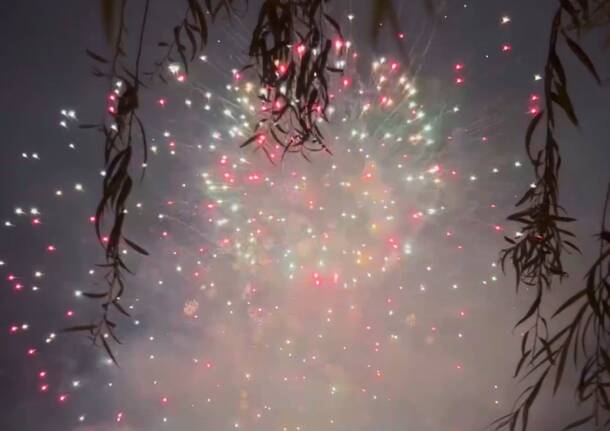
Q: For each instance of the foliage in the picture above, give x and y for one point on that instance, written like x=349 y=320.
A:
x=292 y=49
x=585 y=337
x=118 y=131
x=537 y=253
x=295 y=48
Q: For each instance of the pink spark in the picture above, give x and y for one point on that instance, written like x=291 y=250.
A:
x=282 y=69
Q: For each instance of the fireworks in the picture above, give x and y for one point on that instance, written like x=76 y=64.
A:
x=283 y=293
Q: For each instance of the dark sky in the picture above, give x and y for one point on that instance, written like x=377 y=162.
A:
x=226 y=333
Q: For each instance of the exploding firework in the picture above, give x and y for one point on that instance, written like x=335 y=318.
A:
x=296 y=291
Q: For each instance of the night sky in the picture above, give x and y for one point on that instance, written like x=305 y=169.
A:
x=358 y=292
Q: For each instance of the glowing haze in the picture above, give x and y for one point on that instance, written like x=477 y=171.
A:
x=357 y=291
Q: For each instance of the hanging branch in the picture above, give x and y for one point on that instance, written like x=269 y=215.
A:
x=121 y=127
x=536 y=253
x=292 y=46
x=118 y=130
x=585 y=339
x=190 y=36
